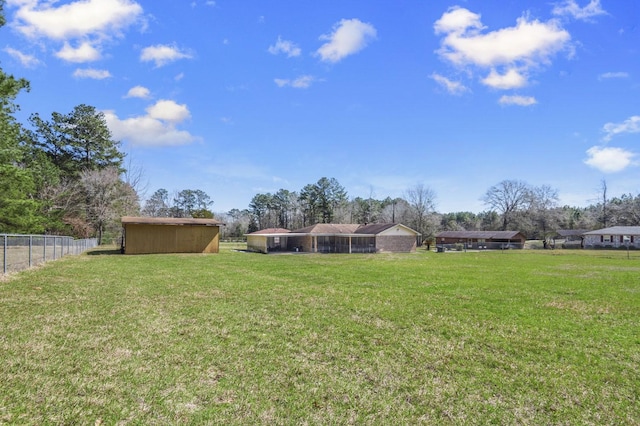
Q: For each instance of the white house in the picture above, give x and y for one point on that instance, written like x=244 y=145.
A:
x=613 y=237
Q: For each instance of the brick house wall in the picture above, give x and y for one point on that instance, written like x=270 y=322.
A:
x=396 y=243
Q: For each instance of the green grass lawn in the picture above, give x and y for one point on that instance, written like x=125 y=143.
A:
x=517 y=337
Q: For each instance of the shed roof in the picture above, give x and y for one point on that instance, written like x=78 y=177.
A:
x=176 y=221
x=479 y=234
x=616 y=230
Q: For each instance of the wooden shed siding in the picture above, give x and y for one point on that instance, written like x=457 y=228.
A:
x=143 y=239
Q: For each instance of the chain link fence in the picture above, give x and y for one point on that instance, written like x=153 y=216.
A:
x=18 y=252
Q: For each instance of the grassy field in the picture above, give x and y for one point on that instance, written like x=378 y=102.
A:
x=518 y=337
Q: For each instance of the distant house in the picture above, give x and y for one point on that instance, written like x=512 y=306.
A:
x=143 y=235
x=482 y=239
x=569 y=238
x=336 y=238
x=613 y=237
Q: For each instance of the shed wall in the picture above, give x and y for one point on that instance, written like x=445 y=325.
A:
x=143 y=239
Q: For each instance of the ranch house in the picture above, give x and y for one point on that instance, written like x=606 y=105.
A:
x=143 y=235
x=495 y=240
x=336 y=238
x=613 y=237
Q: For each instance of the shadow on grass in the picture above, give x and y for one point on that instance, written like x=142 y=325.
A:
x=104 y=251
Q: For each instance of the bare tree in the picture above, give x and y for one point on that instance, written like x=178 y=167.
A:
x=106 y=197
x=135 y=178
x=507 y=198
x=543 y=201
x=604 y=217
x=422 y=201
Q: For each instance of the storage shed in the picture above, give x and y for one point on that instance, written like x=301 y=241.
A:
x=143 y=235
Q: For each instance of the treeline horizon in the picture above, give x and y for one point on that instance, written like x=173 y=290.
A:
x=511 y=205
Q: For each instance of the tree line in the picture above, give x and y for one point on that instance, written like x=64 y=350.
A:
x=511 y=205
x=63 y=175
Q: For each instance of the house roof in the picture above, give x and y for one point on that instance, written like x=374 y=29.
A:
x=271 y=231
x=378 y=228
x=169 y=221
x=352 y=229
x=616 y=230
x=570 y=232
x=480 y=234
x=329 y=228
x=374 y=228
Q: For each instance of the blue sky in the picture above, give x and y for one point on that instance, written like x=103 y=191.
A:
x=241 y=97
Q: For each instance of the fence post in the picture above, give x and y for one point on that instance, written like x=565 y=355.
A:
x=4 y=250
x=30 y=250
x=44 y=254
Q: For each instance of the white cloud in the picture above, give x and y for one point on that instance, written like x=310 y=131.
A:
x=83 y=53
x=512 y=79
x=458 y=20
x=167 y=110
x=91 y=73
x=98 y=18
x=302 y=82
x=86 y=23
x=453 y=87
x=156 y=128
x=349 y=36
x=163 y=54
x=138 y=92
x=609 y=75
x=609 y=159
x=28 y=61
x=630 y=125
x=572 y=9
x=509 y=53
x=518 y=100
x=286 y=47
